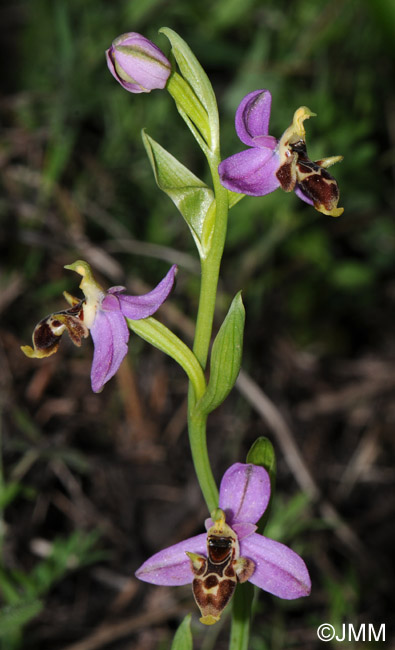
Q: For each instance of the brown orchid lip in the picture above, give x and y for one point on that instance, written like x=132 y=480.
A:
x=48 y=332
x=298 y=171
x=216 y=576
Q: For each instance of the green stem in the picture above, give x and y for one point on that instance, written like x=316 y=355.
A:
x=203 y=122
x=201 y=117
x=210 y=269
x=241 y=617
x=200 y=457
x=165 y=340
x=204 y=324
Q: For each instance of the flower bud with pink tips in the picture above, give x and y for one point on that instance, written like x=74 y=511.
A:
x=137 y=63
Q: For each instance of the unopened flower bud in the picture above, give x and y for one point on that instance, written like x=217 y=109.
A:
x=138 y=64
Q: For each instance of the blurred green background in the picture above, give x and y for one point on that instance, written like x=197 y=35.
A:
x=90 y=485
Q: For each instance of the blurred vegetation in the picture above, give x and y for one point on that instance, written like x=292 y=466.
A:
x=76 y=183
x=87 y=138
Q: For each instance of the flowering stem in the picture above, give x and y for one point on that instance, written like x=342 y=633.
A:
x=210 y=269
x=210 y=266
x=195 y=101
x=162 y=338
x=200 y=457
x=204 y=126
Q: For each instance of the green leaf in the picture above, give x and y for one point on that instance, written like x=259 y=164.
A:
x=225 y=357
x=183 y=637
x=9 y=492
x=14 y=617
x=9 y=589
x=195 y=76
x=351 y=275
x=191 y=196
x=67 y=553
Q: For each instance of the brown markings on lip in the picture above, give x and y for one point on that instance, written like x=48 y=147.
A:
x=225 y=590
x=45 y=337
x=305 y=168
x=285 y=176
x=310 y=177
x=75 y=329
x=217 y=568
x=321 y=188
x=56 y=323
x=216 y=576
x=230 y=572
x=215 y=581
x=212 y=603
x=210 y=582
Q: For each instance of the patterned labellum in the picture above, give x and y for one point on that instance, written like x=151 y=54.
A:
x=297 y=171
x=217 y=574
x=47 y=333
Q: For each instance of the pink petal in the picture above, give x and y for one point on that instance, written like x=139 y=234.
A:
x=265 y=142
x=147 y=74
x=111 y=302
x=244 y=493
x=252 y=116
x=128 y=85
x=137 y=307
x=279 y=570
x=172 y=566
x=251 y=172
x=110 y=337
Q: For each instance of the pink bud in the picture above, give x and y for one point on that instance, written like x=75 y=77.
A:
x=138 y=64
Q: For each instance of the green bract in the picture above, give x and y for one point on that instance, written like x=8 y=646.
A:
x=183 y=637
x=191 y=196
x=202 y=123
x=262 y=453
x=165 y=340
x=225 y=357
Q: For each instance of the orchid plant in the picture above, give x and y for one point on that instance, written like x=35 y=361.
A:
x=233 y=549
